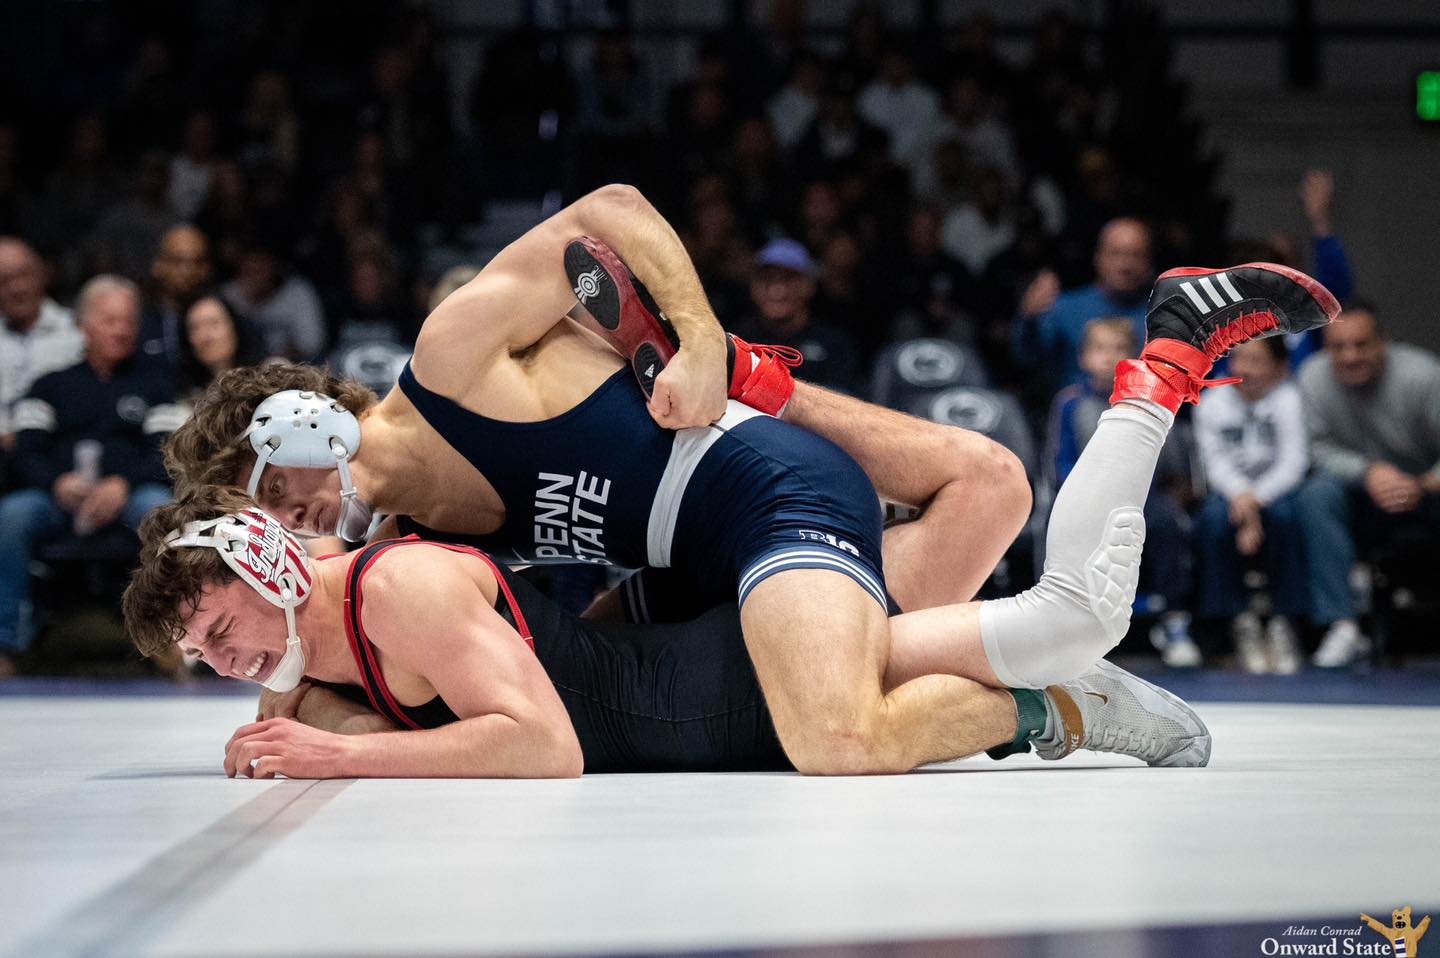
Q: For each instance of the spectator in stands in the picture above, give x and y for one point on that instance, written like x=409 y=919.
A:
x=1373 y=412
x=1253 y=447
x=970 y=120
x=930 y=285
x=38 y=335
x=78 y=190
x=130 y=229
x=89 y=447
x=178 y=274
x=783 y=290
x=1051 y=324
x=617 y=109
x=269 y=125
x=1165 y=576
x=793 y=108
x=1331 y=266
x=977 y=231
x=193 y=168
x=905 y=108
x=284 y=306
x=840 y=138
x=216 y=338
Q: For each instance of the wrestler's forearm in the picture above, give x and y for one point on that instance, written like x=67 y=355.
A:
x=486 y=746
x=622 y=218
x=332 y=712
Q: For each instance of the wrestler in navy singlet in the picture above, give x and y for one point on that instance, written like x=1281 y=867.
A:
x=680 y=697
x=723 y=506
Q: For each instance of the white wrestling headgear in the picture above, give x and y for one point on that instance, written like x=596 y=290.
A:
x=310 y=431
x=268 y=558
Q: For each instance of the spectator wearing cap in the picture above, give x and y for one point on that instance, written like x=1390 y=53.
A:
x=37 y=336
x=782 y=292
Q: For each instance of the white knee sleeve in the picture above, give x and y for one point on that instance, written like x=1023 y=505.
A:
x=1076 y=613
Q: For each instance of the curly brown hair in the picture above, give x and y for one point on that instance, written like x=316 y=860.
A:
x=166 y=590
x=207 y=450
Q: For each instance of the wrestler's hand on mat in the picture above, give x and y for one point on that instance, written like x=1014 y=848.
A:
x=281 y=704
x=690 y=390
x=281 y=746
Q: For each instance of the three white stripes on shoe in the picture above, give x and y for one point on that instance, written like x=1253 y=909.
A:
x=1209 y=288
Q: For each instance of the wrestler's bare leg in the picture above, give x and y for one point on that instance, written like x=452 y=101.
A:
x=973 y=491
x=819 y=643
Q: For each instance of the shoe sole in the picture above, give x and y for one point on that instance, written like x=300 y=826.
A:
x=621 y=308
x=1323 y=298
x=1198 y=746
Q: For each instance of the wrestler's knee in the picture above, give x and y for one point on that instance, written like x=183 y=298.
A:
x=989 y=466
x=1077 y=612
x=829 y=748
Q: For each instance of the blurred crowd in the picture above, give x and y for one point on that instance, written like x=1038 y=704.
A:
x=958 y=233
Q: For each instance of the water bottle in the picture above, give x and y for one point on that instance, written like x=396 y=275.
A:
x=87 y=467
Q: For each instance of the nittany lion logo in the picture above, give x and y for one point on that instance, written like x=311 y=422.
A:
x=1402 y=933
x=587 y=285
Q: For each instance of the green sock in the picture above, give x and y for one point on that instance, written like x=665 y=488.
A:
x=1032 y=720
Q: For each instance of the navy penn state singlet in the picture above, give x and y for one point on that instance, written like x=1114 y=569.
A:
x=726 y=505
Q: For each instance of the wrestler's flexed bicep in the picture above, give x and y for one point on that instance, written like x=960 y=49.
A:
x=523 y=292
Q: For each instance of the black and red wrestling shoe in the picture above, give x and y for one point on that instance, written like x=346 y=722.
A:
x=619 y=309
x=1198 y=315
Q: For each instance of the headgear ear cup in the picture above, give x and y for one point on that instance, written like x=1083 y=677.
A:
x=310 y=430
x=269 y=559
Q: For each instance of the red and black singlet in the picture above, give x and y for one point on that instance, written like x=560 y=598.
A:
x=435 y=712
x=641 y=698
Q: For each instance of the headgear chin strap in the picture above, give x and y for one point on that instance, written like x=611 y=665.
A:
x=311 y=431
x=264 y=554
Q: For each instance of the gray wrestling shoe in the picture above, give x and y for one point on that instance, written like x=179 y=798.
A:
x=1109 y=710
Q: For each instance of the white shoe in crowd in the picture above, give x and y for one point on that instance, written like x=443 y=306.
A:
x=1171 y=636
x=1249 y=643
x=1109 y=710
x=1284 y=650
x=1343 y=645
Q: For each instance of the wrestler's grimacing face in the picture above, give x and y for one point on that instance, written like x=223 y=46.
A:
x=305 y=500
x=235 y=632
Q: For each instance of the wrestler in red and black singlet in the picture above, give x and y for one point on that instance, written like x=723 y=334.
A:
x=675 y=697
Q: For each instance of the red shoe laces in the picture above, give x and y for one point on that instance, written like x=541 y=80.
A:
x=788 y=355
x=1232 y=334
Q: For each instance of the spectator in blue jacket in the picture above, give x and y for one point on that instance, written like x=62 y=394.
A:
x=88 y=440
x=1051 y=324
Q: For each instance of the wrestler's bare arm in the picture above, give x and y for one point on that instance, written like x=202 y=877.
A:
x=523 y=292
x=428 y=617
x=322 y=708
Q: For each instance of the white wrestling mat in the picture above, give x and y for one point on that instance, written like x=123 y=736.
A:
x=121 y=835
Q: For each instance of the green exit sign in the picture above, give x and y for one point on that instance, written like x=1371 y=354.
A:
x=1427 y=96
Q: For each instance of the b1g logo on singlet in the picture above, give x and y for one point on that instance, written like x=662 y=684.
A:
x=834 y=542
x=569 y=517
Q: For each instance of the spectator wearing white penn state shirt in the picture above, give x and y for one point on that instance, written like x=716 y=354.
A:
x=1253 y=446
x=37 y=336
